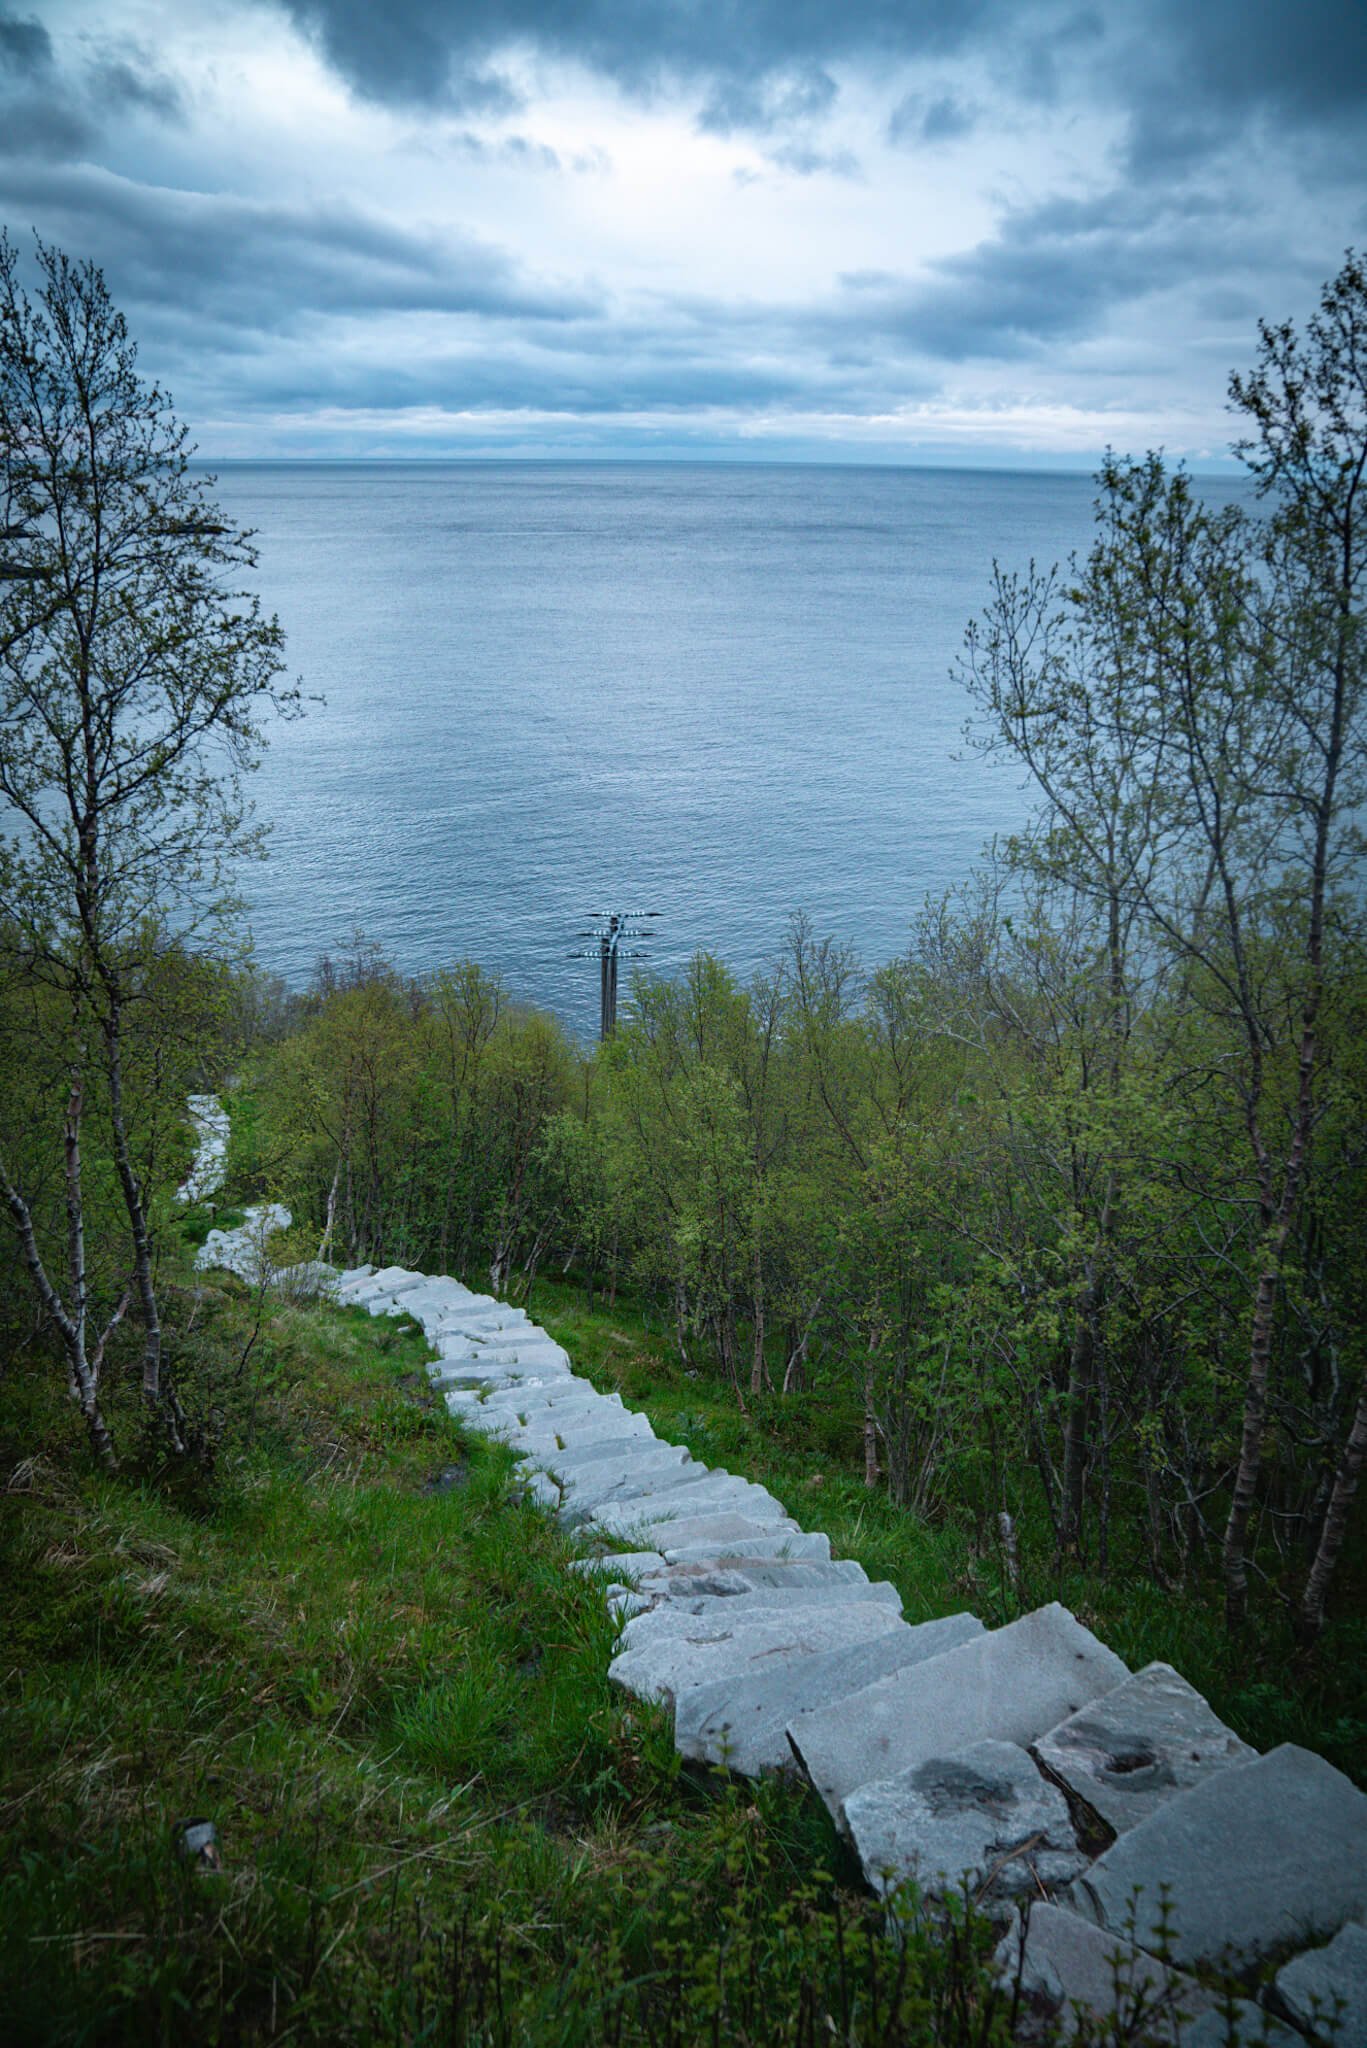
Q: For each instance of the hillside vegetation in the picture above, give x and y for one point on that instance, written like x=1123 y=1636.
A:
x=356 y=1652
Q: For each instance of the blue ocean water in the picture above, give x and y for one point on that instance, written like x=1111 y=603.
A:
x=719 y=692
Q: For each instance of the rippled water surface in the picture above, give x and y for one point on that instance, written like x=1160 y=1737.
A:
x=718 y=692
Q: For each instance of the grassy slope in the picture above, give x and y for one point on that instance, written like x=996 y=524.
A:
x=806 y=1449
x=437 y=1820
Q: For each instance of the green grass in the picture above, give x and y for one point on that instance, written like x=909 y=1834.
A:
x=437 y=1820
x=807 y=1450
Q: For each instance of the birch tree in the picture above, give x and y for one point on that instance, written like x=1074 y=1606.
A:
x=137 y=681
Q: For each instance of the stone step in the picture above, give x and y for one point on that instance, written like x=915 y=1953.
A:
x=425 y=1302
x=724 y=1525
x=655 y=1663
x=1010 y=1686
x=714 y=1495
x=1126 y=1754
x=612 y=1459
x=682 y=1615
x=557 y=1392
x=1325 y=1990
x=432 y=1304
x=625 y=1565
x=589 y=1451
x=805 y=1544
x=642 y=1481
x=683 y=1582
x=576 y=1427
x=744 y=1723
x=982 y=1820
x=1074 y=1977
x=390 y=1282
x=1253 y=1860
x=491 y=1379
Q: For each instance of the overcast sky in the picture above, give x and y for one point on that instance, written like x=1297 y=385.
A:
x=990 y=231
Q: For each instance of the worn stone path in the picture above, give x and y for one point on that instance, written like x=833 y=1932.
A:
x=1101 y=1816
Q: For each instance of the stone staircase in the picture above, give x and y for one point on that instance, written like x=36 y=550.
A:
x=1100 y=1816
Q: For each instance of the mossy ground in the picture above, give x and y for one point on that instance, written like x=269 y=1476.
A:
x=350 y=1645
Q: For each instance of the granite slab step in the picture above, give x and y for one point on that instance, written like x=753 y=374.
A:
x=597 y=1440
x=656 y=1664
x=389 y=1284
x=1325 y=1990
x=558 y=1394
x=681 y=1615
x=1076 y=1978
x=743 y=1723
x=1009 y=1686
x=1128 y=1753
x=574 y=1428
x=650 y=1515
x=806 y=1543
x=982 y=1821
x=605 y=1464
x=625 y=1565
x=427 y=1304
x=683 y=1582
x=586 y=1494
x=476 y=1378
x=611 y=1458
x=1253 y=1860
x=723 y=1526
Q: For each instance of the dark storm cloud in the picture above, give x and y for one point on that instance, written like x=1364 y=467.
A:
x=250 y=264
x=1298 y=60
x=124 y=80
x=424 y=50
x=25 y=45
x=763 y=104
x=1053 y=271
x=49 y=112
x=1195 y=75
x=918 y=119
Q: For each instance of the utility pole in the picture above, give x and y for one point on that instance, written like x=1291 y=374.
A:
x=609 y=929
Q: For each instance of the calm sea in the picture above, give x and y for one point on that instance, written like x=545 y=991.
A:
x=718 y=692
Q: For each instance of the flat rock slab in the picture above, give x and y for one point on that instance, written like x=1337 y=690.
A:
x=684 y=1580
x=571 y=1427
x=482 y=1379
x=724 y=1526
x=1256 y=1859
x=1238 y=2024
x=659 y=1666
x=622 y=1454
x=613 y=1488
x=982 y=1820
x=1009 y=1686
x=1325 y=1991
x=743 y=1723
x=530 y=1403
x=626 y=1565
x=686 y=1507
x=594 y=1462
x=1125 y=1755
x=390 y=1281
x=806 y=1543
x=735 y=1603
x=766 y=1603
x=1074 y=1975
x=714 y=1481
x=538 y=1487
